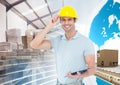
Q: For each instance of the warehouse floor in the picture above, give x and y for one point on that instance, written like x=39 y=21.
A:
x=24 y=69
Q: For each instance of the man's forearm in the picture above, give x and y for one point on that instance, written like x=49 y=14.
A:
x=90 y=71
x=39 y=37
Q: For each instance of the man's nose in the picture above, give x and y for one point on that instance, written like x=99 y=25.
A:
x=66 y=22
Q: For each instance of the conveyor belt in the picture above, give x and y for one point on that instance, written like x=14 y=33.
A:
x=111 y=74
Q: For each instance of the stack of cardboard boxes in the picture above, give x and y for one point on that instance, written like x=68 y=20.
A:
x=107 y=58
x=15 y=41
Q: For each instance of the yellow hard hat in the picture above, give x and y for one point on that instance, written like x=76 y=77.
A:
x=68 y=11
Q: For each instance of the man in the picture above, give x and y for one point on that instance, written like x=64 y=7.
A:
x=73 y=51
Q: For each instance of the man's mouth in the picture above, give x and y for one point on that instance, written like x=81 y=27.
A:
x=67 y=26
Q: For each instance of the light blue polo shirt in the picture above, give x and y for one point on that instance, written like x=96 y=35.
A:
x=70 y=55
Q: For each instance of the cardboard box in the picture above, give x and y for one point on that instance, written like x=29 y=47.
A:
x=29 y=39
x=30 y=35
x=107 y=58
x=24 y=41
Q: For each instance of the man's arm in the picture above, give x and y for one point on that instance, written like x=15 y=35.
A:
x=39 y=41
x=90 y=61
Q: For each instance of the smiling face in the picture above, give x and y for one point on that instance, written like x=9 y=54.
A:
x=68 y=23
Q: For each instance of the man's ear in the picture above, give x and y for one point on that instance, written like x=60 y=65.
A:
x=75 y=19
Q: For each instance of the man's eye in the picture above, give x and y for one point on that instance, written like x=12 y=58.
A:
x=69 y=19
x=63 y=20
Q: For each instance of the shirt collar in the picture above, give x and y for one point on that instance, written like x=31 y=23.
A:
x=76 y=36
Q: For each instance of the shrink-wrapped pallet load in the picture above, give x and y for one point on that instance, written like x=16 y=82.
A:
x=14 y=35
x=7 y=46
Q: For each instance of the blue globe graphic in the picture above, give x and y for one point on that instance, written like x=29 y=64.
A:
x=101 y=29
